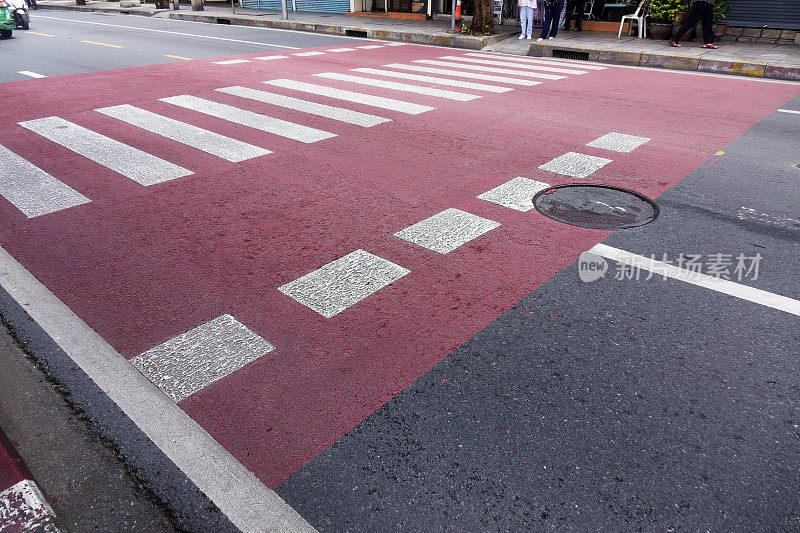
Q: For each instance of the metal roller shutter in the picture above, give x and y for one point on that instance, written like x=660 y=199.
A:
x=321 y=6
x=777 y=14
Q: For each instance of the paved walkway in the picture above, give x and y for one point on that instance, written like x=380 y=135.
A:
x=777 y=61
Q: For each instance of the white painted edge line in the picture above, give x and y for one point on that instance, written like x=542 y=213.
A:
x=248 y=503
x=31 y=74
x=231 y=61
x=751 y=294
x=780 y=110
x=172 y=32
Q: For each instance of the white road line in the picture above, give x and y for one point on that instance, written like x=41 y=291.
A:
x=370 y=46
x=248 y=504
x=789 y=111
x=270 y=58
x=447 y=231
x=307 y=54
x=169 y=32
x=575 y=165
x=462 y=74
x=618 y=142
x=405 y=87
x=534 y=61
x=480 y=68
x=497 y=63
x=341 y=50
x=751 y=294
x=247 y=118
x=342 y=283
x=207 y=141
x=131 y=162
x=32 y=190
x=231 y=61
x=515 y=194
x=194 y=360
x=336 y=113
x=396 y=44
x=31 y=74
x=350 y=96
x=433 y=79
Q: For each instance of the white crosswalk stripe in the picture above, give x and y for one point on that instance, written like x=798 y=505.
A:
x=270 y=58
x=405 y=87
x=276 y=126
x=351 y=96
x=131 y=162
x=308 y=54
x=32 y=190
x=434 y=79
x=231 y=62
x=535 y=61
x=370 y=46
x=322 y=110
x=481 y=68
x=462 y=74
x=497 y=63
x=341 y=50
x=207 y=141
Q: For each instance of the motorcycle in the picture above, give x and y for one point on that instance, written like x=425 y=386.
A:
x=19 y=12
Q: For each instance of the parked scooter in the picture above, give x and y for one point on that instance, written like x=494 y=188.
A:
x=19 y=11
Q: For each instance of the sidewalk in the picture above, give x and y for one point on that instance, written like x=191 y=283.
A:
x=776 y=61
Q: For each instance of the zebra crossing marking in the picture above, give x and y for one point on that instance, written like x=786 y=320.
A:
x=276 y=126
x=309 y=54
x=405 y=87
x=354 y=97
x=141 y=167
x=32 y=190
x=515 y=194
x=336 y=113
x=231 y=61
x=498 y=63
x=207 y=141
x=447 y=231
x=534 y=61
x=480 y=68
x=433 y=79
x=462 y=74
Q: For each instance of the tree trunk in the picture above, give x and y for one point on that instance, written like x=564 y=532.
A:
x=482 y=20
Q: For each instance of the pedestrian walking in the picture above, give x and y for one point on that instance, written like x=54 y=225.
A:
x=552 y=18
x=526 y=11
x=700 y=9
x=574 y=8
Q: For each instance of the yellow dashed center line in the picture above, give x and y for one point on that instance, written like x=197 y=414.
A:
x=720 y=153
x=37 y=33
x=179 y=57
x=102 y=44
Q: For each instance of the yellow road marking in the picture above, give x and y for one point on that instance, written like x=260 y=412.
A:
x=720 y=153
x=102 y=44
x=37 y=33
x=180 y=57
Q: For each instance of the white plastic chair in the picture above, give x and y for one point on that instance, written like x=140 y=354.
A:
x=640 y=16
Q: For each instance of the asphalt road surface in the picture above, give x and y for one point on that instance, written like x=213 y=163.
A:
x=327 y=262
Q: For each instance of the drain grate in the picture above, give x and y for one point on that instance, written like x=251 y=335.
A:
x=595 y=206
x=571 y=54
x=355 y=33
x=223 y=21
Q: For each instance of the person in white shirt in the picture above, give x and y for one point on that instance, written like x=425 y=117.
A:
x=526 y=11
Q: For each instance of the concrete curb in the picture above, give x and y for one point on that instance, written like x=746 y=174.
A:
x=469 y=42
x=145 y=12
x=23 y=506
x=673 y=62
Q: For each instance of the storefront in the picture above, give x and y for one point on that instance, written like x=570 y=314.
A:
x=417 y=8
x=772 y=14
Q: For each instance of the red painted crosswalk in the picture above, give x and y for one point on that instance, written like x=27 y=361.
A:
x=348 y=224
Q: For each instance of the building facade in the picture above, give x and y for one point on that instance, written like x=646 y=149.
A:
x=771 y=14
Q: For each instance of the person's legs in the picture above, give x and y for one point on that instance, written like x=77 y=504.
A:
x=526 y=20
x=708 y=24
x=691 y=20
x=557 y=9
x=548 y=18
x=568 y=14
x=530 y=22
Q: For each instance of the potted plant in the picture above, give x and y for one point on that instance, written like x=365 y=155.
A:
x=662 y=15
x=720 y=12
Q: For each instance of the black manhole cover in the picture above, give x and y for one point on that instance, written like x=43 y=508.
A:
x=595 y=206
